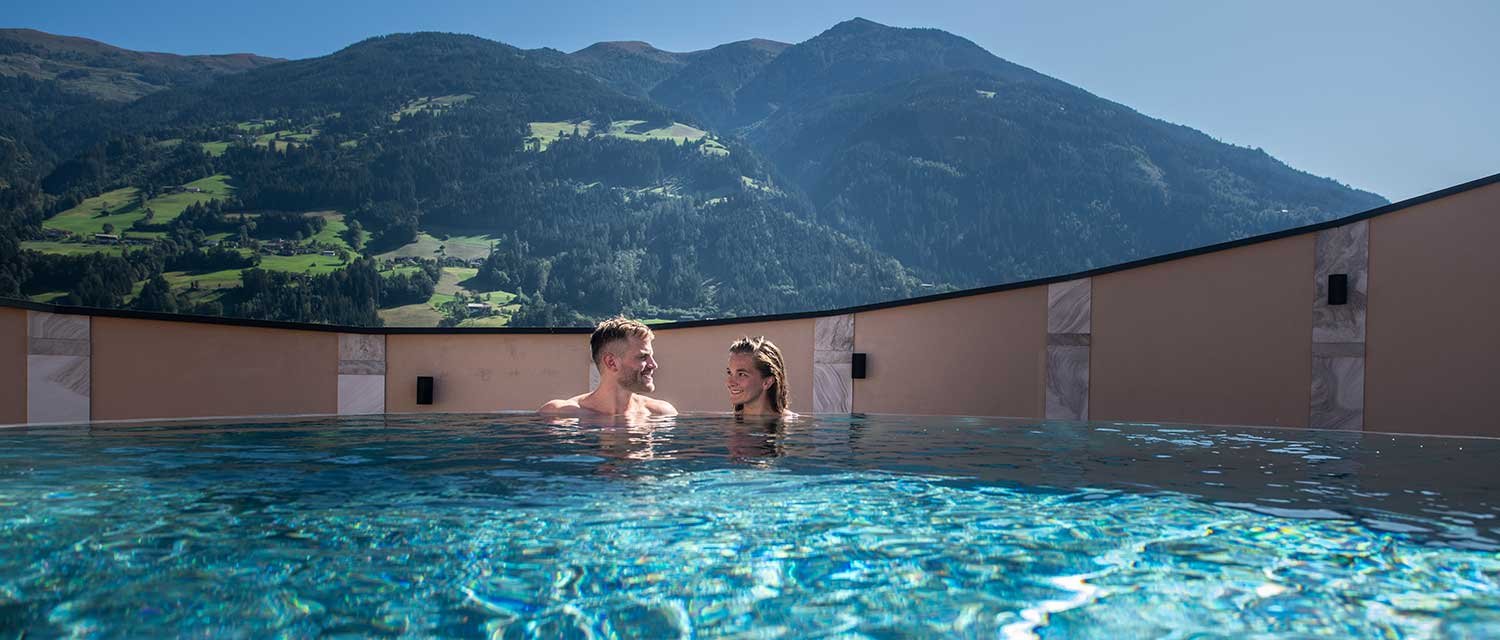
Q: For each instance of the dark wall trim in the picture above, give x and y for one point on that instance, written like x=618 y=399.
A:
x=307 y=326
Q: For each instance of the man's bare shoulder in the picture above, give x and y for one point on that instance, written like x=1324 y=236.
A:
x=565 y=407
x=660 y=407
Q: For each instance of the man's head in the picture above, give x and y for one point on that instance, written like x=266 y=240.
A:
x=621 y=349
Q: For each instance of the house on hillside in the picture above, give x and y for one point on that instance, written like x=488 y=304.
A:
x=107 y=238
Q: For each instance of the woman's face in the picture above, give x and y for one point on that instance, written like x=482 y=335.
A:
x=743 y=380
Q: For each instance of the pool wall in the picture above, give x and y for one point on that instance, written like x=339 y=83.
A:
x=1238 y=333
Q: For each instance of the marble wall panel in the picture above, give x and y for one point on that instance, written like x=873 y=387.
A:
x=1338 y=331
x=1345 y=250
x=833 y=357
x=58 y=367
x=361 y=385
x=1069 y=323
x=57 y=388
x=833 y=388
x=361 y=394
x=1067 y=382
x=361 y=354
x=1338 y=393
x=1069 y=306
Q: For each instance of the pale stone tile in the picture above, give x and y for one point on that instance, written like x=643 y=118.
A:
x=1067 y=382
x=1070 y=306
x=834 y=333
x=1338 y=393
x=833 y=357
x=362 y=367
x=359 y=346
x=1339 y=349
x=361 y=394
x=833 y=388
x=56 y=347
x=1069 y=339
x=57 y=388
x=56 y=326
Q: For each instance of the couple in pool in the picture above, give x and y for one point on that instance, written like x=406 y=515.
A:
x=755 y=377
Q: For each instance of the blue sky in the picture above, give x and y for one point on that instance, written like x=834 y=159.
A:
x=1394 y=97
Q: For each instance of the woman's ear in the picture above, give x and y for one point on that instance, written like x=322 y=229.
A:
x=765 y=385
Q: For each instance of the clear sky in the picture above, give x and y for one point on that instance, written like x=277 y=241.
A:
x=1396 y=97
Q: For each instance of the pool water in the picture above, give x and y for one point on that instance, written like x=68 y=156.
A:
x=881 y=527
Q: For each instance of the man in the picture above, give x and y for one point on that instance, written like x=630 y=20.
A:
x=622 y=352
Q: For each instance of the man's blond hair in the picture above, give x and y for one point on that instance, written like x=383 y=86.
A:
x=613 y=329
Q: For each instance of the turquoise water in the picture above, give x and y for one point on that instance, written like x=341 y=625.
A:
x=878 y=527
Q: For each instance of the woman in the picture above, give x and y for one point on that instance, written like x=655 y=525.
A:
x=756 y=378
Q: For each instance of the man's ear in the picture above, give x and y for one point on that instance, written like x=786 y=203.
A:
x=765 y=385
x=609 y=361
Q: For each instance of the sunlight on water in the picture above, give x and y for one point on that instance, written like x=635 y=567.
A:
x=485 y=527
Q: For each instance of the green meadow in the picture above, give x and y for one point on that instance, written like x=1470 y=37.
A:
x=543 y=134
x=121 y=208
x=434 y=104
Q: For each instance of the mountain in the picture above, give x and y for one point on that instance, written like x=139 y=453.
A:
x=706 y=87
x=630 y=67
x=434 y=178
x=56 y=91
x=110 y=73
x=972 y=170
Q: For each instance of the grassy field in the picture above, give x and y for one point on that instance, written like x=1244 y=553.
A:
x=425 y=246
x=450 y=284
x=214 y=149
x=435 y=104
x=169 y=206
x=85 y=219
x=333 y=231
x=123 y=209
x=429 y=246
x=420 y=314
x=72 y=248
x=543 y=134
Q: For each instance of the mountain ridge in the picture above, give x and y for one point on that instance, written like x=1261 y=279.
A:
x=749 y=178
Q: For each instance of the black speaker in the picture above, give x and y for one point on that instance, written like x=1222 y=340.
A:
x=424 y=389
x=1338 y=288
x=857 y=370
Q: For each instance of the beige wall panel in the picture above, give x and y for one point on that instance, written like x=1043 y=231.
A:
x=1433 y=333
x=691 y=361
x=157 y=369
x=484 y=372
x=12 y=366
x=980 y=355
x=1219 y=338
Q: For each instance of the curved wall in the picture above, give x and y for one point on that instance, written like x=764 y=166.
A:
x=1434 y=328
x=154 y=369
x=1220 y=338
x=1248 y=332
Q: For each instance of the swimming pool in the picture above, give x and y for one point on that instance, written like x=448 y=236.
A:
x=509 y=526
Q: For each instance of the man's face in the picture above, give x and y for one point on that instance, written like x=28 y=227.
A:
x=637 y=364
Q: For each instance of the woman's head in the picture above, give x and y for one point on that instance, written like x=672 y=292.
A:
x=756 y=376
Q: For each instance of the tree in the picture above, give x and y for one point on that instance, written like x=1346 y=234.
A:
x=109 y=228
x=156 y=296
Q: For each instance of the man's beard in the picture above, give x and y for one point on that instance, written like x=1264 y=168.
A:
x=636 y=383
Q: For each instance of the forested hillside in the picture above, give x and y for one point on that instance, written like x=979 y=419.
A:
x=426 y=179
